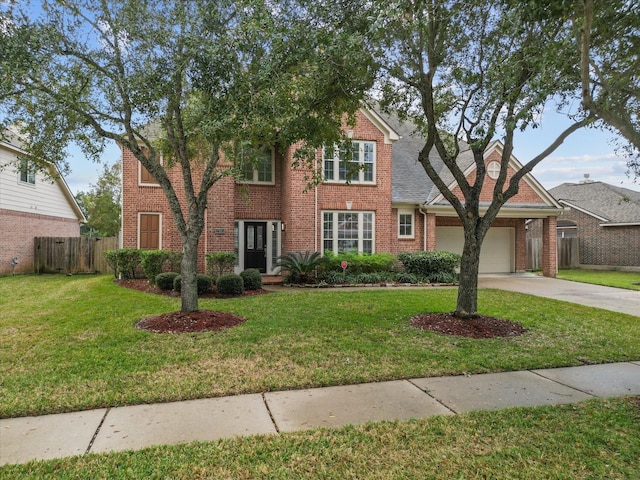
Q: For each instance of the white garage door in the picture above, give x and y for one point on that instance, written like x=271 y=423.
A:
x=498 y=249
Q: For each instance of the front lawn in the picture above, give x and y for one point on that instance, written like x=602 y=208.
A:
x=595 y=439
x=69 y=343
x=608 y=278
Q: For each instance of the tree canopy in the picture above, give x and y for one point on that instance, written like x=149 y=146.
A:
x=101 y=204
x=192 y=81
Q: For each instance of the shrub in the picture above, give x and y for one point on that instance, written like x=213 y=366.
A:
x=165 y=280
x=405 y=277
x=151 y=262
x=174 y=261
x=429 y=264
x=230 y=284
x=124 y=261
x=220 y=263
x=443 y=277
x=204 y=284
x=299 y=265
x=360 y=263
x=334 y=278
x=252 y=279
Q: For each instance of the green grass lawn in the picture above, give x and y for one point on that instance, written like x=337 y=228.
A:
x=628 y=280
x=68 y=343
x=597 y=439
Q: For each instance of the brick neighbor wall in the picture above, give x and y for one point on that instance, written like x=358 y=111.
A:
x=18 y=230
x=607 y=246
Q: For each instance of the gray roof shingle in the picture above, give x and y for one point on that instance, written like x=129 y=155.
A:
x=614 y=204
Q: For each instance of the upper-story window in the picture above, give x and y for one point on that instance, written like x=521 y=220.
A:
x=144 y=176
x=355 y=165
x=260 y=169
x=27 y=172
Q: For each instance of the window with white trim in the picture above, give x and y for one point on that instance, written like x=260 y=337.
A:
x=348 y=232
x=493 y=170
x=405 y=224
x=260 y=169
x=355 y=165
x=27 y=172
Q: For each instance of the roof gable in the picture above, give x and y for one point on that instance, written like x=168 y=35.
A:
x=605 y=202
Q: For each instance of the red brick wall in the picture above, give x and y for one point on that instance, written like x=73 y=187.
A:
x=549 y=247
x=614 y=246
x=526 y=194
x=18 y=230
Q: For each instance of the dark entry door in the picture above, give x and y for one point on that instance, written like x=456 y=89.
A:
x=255 y=245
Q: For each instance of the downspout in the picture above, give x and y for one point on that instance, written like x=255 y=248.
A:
x=315 y=207
x=424 y=230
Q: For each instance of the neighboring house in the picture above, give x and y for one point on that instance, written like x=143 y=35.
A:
x=389 y=206
x=31 y=205
x=604 y=218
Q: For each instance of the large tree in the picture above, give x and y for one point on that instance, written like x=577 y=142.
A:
x=466 y=73
x=607 y=38
x=195 y=81
x=101 y=203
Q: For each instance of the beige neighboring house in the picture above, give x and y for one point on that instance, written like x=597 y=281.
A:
x=31 y=205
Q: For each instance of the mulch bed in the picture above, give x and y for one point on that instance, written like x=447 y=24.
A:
x=206 y=320
x=200 y=321
x=476 y=327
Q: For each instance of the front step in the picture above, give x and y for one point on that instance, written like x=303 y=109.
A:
x=271 y=279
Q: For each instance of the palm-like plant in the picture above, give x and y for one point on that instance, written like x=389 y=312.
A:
x=299 y=265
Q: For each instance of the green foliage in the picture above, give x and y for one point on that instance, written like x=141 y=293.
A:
x=174 y=259
x=359 y=263
x=405 y=277
x=165 y=280
x=152 y=262
x=101 y=204
x=220 y=263
x=230 y=284
x=252 y=279
x=299 y=266
x=124 y=261
x=430 y=265
x=204 y=282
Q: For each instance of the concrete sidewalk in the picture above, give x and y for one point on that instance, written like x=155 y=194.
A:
x=136 y=427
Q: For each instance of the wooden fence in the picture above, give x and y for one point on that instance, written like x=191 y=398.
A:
x=566 y=249
x=72 y=254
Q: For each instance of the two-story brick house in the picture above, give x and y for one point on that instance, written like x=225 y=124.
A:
x=389 y=205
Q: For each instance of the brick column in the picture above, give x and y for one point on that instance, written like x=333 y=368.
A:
x=431 y=232
x=549 y=252
x=521 y=245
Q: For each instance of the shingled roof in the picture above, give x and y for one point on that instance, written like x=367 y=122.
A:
x=608 y=203
x=410 y=183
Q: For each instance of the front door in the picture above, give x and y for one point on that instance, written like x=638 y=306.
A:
x=255 y=245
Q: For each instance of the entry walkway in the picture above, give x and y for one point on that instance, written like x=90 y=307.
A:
x=137 y=427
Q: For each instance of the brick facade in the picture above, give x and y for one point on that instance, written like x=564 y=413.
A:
x=293 y=210
x=18 y=242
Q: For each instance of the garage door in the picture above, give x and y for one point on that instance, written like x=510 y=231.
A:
x=498 y=249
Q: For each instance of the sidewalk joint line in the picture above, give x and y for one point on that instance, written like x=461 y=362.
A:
x=565 y=384
x=95 y=435
x=273 y=420
x=426 y=392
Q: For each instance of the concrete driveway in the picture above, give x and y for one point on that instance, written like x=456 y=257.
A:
x=608 y=298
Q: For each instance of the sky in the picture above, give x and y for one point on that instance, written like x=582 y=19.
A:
x=587 y=151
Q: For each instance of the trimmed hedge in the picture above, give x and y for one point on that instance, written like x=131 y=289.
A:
x=230 y=284
x=252 y=279
x=431 y=265
x=165 y=280
x=123 y=261
x=205 y=283
x=359 y=263
x=220 y=263
x=152 y=262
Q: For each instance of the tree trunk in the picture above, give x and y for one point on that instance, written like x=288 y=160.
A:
x=188 y=272
x=467 y=304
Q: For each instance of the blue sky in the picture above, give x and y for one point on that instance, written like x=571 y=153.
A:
x=587 y=151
